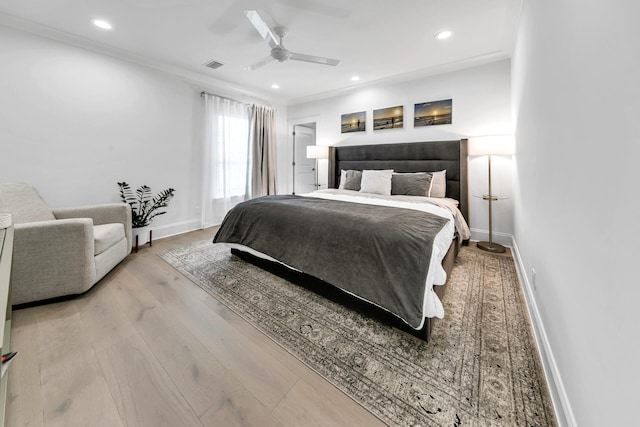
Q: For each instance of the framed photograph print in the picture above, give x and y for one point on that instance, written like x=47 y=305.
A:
x=388 y=118
x=433 y=113
x=354 y=122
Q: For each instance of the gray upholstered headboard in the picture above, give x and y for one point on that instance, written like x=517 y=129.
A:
x=428 y=156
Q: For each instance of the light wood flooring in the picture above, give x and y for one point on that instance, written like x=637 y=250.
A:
x=146 y=347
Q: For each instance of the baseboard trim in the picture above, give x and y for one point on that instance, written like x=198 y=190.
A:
x=175 y=228
x=558 y=392
x=478 y=234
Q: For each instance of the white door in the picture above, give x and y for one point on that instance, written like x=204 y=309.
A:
x=304 y=168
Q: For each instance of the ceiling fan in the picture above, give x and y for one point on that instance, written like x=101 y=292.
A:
x=278 y=51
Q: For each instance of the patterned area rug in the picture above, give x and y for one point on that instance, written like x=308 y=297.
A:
x=480 y=368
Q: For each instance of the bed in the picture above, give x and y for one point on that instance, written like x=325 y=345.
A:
x=393 y=253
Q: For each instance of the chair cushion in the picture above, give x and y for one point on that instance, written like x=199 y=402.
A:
x=107 y=235
x=24 y=203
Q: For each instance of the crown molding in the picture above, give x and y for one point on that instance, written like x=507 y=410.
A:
x=211 y=84
x=487 y=58
x=201 y=80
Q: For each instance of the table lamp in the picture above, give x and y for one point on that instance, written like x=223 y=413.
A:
x=491 y=145
x=317 y=152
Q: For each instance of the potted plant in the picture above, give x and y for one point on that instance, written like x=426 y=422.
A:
x=144 y=207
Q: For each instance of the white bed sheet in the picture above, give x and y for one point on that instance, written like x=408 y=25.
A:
x=432 y=306
x=450 y=204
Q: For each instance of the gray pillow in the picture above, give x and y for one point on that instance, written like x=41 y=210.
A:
x=411 y=184
x=352 y=179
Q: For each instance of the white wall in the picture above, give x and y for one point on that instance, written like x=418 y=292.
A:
x=576 y=104
x=481 y=106
x=73 y=122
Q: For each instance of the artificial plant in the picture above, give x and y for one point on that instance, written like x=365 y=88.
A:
x=144 y=207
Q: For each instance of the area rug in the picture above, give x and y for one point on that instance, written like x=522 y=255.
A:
x=480 y=368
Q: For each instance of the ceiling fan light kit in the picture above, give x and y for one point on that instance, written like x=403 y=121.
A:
x=278 y=51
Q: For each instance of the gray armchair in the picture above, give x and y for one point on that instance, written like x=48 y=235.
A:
x=58 y=252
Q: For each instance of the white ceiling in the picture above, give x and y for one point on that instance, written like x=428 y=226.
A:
x=376 y=40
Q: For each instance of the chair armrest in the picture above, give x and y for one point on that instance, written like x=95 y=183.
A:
x=107 y=213
x=100 y=214
x=52 y=258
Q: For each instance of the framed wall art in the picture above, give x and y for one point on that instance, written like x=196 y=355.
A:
x=433 y=113
x=354 y=122
x=388 y=118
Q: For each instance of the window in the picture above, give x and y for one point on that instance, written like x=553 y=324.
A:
x=231 y=160
x=226 y=158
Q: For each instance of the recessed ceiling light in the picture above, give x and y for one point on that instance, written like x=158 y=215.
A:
x=275 y=86
x=443 y=34
x=355 y=78
x=101 y=23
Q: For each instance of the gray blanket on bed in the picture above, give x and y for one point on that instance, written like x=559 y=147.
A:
x=381 y=254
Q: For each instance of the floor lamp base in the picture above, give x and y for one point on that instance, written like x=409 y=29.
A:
x=491 y=247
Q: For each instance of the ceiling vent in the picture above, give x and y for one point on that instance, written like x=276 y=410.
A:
x=213 y=64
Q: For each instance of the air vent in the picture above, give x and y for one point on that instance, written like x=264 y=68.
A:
x=213 y=64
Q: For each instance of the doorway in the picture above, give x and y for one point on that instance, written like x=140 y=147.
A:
x=304 y=173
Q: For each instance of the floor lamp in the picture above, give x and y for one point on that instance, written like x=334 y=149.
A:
x=317 y=152
x=491 y=146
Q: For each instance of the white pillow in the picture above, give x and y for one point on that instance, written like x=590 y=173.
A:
x=343 y=178
x=438 y=184
x=376 y=181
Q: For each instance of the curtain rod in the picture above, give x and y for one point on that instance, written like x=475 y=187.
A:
x=223 y=97
x=231 y=99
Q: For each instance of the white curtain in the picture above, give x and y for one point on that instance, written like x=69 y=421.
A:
x=226 y=158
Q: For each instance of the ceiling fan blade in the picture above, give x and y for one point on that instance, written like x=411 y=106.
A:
x=314 y=59
x=260 y=63
x=262 y=27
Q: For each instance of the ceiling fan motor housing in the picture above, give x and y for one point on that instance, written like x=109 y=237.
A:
x=281 y=54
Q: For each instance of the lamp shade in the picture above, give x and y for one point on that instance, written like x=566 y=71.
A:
x=317 y=152
x=491 y=144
